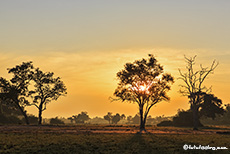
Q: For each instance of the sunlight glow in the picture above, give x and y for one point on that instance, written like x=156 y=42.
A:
x=142 y=87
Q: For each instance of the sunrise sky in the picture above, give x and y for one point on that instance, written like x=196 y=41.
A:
x=87 y=42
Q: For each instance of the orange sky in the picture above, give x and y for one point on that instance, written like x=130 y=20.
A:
x=91 y=79
x=87 y=43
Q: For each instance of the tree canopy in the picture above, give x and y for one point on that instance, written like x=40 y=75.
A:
x=145 y=83
x=47 y=88
x=16 y=90
x=211 y=106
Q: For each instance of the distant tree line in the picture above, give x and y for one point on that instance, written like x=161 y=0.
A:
x=81 y=118
x=109 y=118
x=114 y=119
x=56 y=121
x=181 y=119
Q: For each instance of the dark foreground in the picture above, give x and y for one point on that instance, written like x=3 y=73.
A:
x=108 y=139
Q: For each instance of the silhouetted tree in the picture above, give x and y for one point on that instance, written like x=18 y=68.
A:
x=7 y=106
x=220 y=119
x=47 y=88
x=193 y=85
x=210 y=106
x=145 y=83
x=17 y=91
x=71 y=119
x=116 y=118
x=108 y=117
x=81 y=118
x=4 y=89
x=123 y=116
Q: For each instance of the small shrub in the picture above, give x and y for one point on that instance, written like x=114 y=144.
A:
x=56 y=121
x=184 y=119
x=165 y=123
x=33 y=119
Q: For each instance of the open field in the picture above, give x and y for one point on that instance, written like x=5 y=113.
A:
x=109 y=139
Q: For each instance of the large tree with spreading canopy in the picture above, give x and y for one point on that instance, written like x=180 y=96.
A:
x=16 y=90
x=47 y=88
x=145 y=83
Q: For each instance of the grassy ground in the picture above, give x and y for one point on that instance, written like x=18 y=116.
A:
x=41 y=140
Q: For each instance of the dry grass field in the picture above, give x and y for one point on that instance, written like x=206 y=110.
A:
x=110 y=139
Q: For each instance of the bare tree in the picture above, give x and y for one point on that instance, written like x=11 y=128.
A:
x=145 y=83
x=193 y=86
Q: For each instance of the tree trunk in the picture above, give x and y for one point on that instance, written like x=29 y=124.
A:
x=1 y=109
x=142 y=122
x=40 y=114
x=40 y=117
x=23 y=113
x=195 y=117
x=26 y=118
x=145 y=118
